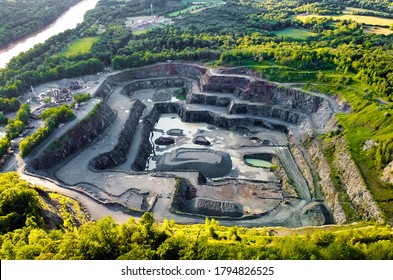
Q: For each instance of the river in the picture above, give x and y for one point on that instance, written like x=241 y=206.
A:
x=68 y=20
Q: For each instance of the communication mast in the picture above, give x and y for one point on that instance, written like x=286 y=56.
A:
x=151 y=8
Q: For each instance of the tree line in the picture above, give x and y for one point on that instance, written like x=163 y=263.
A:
x=52 y=118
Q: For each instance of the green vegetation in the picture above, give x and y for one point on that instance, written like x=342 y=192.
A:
x=9 y=104
x=3 y=118
x=4 y=146
x=80 y=46
x=81 y=97
x=52 y=118
x=25 y=206
x=180 y=93
x=16 y=127
x=369 y=121
x=18 y=203
x=295 y=33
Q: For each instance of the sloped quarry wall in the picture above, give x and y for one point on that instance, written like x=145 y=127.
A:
x=268 y=111
x=130 y=87
x=84 y=133
x=161 y=70
x=354 y=183
x=331 y=195
x=118 y=154
x=351 y=181
x=214 y=208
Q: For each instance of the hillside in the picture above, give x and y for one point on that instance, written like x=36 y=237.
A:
x=22 y=204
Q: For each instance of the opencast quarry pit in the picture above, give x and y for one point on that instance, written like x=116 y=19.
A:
x=185 y=142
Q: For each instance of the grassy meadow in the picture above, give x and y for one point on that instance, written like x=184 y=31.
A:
x=79 y=46
x=295 y=33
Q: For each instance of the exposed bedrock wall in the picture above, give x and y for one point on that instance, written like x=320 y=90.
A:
x=130 y=87
x=82 y=134
x=161 y=70
x=330 y=193
x=351 y=181
x=105 y=89
x=354 y=183
x=262 y=91
x=221 y=101
x=268 y=111
x=118 y=154
x=146 y=146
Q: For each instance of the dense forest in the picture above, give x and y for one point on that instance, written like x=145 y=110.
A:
x=26 y=235
x=20 y=18
x=339 y=57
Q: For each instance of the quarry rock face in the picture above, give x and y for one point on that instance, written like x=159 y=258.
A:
x=76 y=138
x=351 y=179
x=119 y=153
x=387 y=175
x=315 y=213
x=355 y=186
x=329 y=190
x=215 y=208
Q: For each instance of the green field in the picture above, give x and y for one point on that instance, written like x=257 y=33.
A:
x=80 y=46
x=191 y=9
x=294 y=33
x=369 y=20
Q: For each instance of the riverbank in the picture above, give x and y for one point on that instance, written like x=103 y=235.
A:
x=68 y=20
